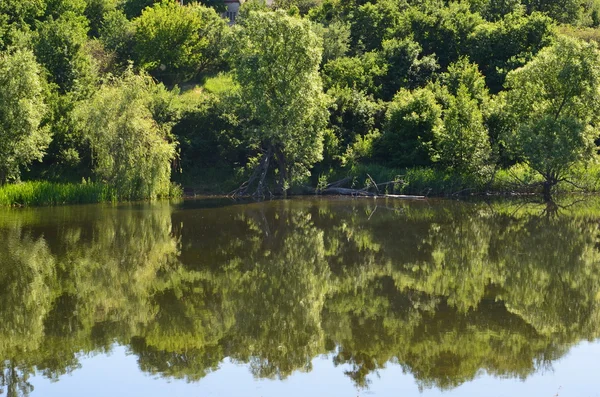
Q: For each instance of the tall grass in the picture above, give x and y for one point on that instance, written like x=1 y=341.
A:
x=420 y=180
x=438 y=182
x=48 y=193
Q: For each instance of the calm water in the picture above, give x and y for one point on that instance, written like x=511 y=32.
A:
x=301 y=298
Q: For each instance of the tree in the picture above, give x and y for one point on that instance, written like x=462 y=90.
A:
x=411 y=120
x=508 y=44
x=336 y=39
x=132 y=151
x=23 y=139
x=463 y=142
x=117 y=35
x=373 y=22
x=96 y=11
x=60 y=45
x=554 y=102
x=275 y=61
x=134 y=8
x=563 y=11
x=177 y=42
x=404 y=67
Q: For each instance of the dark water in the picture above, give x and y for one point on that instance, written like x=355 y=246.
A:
x=301 y=298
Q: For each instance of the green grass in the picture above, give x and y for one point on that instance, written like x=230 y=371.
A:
x=32 y=193
x=49 y=193
x=219 y=84
x=518 y=179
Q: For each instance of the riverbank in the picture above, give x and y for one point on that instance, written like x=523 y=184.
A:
x=431 y=182
x=43 y=193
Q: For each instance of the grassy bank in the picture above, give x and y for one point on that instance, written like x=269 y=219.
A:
x=432 y=182
x=49 y=193
x=518 y=179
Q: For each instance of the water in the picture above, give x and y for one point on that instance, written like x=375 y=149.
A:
x=339 y=297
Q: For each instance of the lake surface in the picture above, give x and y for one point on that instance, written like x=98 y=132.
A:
x=304 y=297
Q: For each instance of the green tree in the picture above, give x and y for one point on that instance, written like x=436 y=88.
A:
x=554 y=102
x=117 y=35
x=463 y=143
x=564 y=11
x=411 y=123
x=22 y=137
x=355 y=120
x=134 y=8
x=404 y=67
x=336 y=39
x=275 y=61
x=508 y=44
x=96 y=11
x=132 y=151
x=60 y=45
x=56 y=8
x=177 y=42
x=374 y=22
x=443 y=31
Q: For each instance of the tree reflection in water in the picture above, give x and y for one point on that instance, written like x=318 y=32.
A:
x=446 y=290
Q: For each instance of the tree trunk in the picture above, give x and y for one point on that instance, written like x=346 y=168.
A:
x=263 y=173
x=547 y=190
x=282 y=170
x=260 y=173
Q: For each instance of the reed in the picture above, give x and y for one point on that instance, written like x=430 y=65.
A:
x=48 y=193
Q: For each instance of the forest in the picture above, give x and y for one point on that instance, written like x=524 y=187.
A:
x=139 y=99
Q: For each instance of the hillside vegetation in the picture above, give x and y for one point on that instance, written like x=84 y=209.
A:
x=443 y=97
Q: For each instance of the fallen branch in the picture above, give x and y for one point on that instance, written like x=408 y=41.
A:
x=339 y=183
x=361 y=193
x=373 y=183
x=342 y=191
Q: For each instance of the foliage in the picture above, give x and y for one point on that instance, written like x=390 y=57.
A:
x=134 y=8
x=23 y=138
x=176 y=42
x=243 y=98
x=129 y=137
x=336 y=39
x=280 y=89
x=71 y=68
x=117 y=35
x=96 y=11
x=353 y=115
x=443 y=31
x=463 y=143
x=405 y=67
x=508 y=44
x=554 y=104
x=372 y=22
x=564 y=11
x=412 y=120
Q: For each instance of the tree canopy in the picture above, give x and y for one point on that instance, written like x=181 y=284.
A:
x=23 y=137
x=275 y=61
x=555 y=102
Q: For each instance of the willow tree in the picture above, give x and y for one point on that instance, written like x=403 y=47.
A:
x=554 y=102
x=275 y=59
x=22 y=108
x=132 y=147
